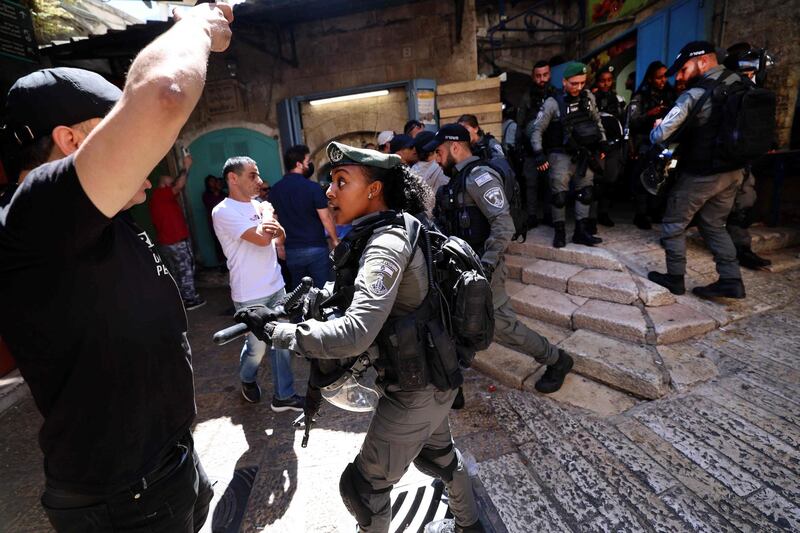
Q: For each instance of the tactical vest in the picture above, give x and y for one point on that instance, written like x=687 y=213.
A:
x=406 y=358
x=610 y=109
x=457 y=216
x=483 y=148
x=537 y=98
x=575 y=128
x=345 y=258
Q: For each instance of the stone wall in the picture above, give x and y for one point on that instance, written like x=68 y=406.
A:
x=357 y=120
x=415 y=40
x=775 y=25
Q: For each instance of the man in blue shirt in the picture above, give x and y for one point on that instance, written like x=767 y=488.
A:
x=302 y=210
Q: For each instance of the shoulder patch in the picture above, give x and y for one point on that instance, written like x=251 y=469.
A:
x=495 y=197
x=483 y=179
x=674 y=112
x=380 y=275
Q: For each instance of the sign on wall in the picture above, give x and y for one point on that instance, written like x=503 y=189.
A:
x=17 y=39
x=599 y=11
x=222 y=97
x=426 y=106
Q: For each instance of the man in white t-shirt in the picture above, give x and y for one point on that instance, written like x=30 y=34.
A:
x=248 y=232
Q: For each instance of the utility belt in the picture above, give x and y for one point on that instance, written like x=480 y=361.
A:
x=416 y=349
x=169 y=463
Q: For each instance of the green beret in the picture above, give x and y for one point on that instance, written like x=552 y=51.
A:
x=342 y=154
x=574 y=68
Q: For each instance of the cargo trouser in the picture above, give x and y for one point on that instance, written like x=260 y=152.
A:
x=180 y=261
x=512 y=333
x=562 y=173
x=613 y=166
x=744 y=201
x=404 y=423
x=711 y=198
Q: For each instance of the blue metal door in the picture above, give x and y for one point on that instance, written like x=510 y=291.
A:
x=661 y=37
x=209 y=154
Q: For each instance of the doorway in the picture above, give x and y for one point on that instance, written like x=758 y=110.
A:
x=209 y=153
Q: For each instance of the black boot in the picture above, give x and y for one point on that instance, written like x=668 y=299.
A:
x=582 y=235
x=749 y=259
x=533 y=221
x=673 y=282
x=604 y=220
x=591 y=226
x=559 y=235
x=642 y=222
x=722 y=288
x=458 y=401
x=554 y=375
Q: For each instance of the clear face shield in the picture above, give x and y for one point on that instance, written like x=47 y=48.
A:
x=354 y=390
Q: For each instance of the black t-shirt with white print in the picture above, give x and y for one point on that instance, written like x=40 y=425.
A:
x=98 y=330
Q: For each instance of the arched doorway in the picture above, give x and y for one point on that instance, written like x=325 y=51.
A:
x=209 y=153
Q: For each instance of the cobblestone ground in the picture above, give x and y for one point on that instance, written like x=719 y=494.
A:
x=721 y=457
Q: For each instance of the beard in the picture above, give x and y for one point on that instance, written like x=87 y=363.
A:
x=449 y=167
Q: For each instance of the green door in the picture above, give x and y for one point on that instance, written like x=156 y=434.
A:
x=209 y=154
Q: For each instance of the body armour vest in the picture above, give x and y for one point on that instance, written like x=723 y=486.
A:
x=458 y=214
x=610 y=109
x=575 y=128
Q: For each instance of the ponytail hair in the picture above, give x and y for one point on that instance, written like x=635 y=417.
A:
x=403 y=190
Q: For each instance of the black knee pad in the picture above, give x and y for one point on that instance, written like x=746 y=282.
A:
x=352 y=486
x=559 y=199
x=585 y=195
x=425 y=462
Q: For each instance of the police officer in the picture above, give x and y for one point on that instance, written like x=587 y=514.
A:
x=484 y=145
x=706 y=186
x=473 y=207
x=389 y=280
x=744 y=59
x=528 y=109
x=612 y=114
x=566 y=143
x=650 y=102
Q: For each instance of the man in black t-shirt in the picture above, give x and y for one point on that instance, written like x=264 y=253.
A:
x=88 y=308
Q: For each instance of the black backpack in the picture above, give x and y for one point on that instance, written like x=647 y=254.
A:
x=512 y=191
x=747 y=128
x=457 y=275
x=439 y=338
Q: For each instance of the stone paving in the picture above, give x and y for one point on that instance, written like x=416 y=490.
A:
x=718 y=453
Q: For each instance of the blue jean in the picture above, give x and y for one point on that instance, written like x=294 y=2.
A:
x=314 y=262
x=253 y=351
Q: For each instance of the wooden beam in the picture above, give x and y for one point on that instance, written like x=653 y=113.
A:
x=474 y=110
x=466 y=86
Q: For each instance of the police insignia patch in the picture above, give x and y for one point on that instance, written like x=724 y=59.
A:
x=335 y=155
x=495 y=197
x=380 y=276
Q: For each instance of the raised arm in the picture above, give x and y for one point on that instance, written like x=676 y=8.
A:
x=164 y=84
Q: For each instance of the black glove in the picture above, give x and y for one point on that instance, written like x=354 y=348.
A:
x=488 y=270
x=312 y=307
x=539 y=158
x=256 y=318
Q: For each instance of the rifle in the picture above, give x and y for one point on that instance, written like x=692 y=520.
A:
x=292 y=306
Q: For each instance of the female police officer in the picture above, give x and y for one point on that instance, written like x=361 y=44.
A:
x=389 y=280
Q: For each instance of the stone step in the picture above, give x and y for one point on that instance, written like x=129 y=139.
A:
x=625 y=322
x=606 y=285
x=633 y=368
x=764 y=239
x=665 y=324
x=539 y=245
x=521 y=371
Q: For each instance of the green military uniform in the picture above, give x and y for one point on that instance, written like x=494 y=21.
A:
x=408 y=426
x=484 y=191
